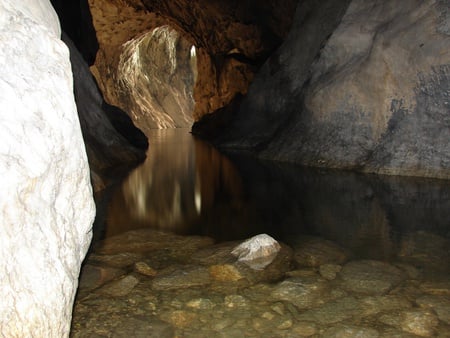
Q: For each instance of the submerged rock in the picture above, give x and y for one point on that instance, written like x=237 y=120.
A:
x=315 y=251
x=257 y=252
x=370 y=277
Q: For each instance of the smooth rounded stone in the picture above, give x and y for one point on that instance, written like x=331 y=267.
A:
x=329 y=271
x=419 y=322
x=148 y=240
x=179 y=318
x=92 y=276
x=316 y=251
x=120 y=287
x=233 y=301
x=370 y=277
x=378 y=304
x=333 y=312
x=201 y=304
x=257 y=252
x=181 y=277
x=222 y=323
x=120 y=260
x=436 y=287
x=144 y=269
x=344 y=331
x=272 y=272
x=440 y=305
x=304 y=329
x=426 y=250
x=215 y=254
x=390 y=332
x=304 y=293
x=141 y=328
x=410 y=270
x=225 y=273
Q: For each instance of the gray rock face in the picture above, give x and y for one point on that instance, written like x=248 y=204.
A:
x=373 y=96
x=106 y=145
x=46 y=201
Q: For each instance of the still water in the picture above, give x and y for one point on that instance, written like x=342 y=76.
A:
x=363 y=255
x=188 y=187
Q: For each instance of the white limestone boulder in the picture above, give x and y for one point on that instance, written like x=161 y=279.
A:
x=257 y=252
x=46 y=205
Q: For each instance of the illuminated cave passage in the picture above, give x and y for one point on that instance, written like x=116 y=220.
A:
x=155 y=80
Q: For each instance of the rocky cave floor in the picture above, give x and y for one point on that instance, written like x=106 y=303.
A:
x=147 y=283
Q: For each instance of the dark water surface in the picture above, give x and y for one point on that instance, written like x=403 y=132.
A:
x=186 y=186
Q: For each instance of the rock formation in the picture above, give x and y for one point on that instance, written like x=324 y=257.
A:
x=46 y=199
x=111 y=138
x=232 y=39
x=360 y=87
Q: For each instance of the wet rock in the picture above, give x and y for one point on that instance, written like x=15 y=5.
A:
x=147 y=240
x=440 y=305
x=419 y=322
x=201 y=304
x=344 y=331
x=120 y=287
x=225 y=273
x=314 y=251
x=179 y=318
x=426 y=250
x=441 y=287
x=92 y=277
x=304 y=329
x=215 y=254
x=257 y=252
x=333 y=312
x=145 y=327
x=378 y=304
x=329 y=271
x=120 y=260
x=224 y=266
x=233 y=301
x=181 y=277
x=144 y=269
x=370 y=277
x=302 y=292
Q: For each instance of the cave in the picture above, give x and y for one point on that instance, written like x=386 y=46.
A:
x=225 y=168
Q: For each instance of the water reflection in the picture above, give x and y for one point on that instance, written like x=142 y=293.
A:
x=188 y=187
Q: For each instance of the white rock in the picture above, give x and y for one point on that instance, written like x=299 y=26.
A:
x=46 y=205
x=257 y=252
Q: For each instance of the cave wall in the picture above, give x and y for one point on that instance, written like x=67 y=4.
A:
x=362 y=87
x=46 y=204
x=232 y=38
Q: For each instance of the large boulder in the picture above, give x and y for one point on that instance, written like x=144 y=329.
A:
x=371 y=95
x=46 y=203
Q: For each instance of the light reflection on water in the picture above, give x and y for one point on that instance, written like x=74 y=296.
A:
x=186 y=186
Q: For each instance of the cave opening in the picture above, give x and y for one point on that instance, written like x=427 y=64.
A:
x=156 y=76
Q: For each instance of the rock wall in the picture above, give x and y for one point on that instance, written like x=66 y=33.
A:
x=110 y=136
x=372 y=94
x=46 y=203
x=156 y=83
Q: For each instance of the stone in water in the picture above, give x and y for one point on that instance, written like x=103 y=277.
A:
x=257 y=252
